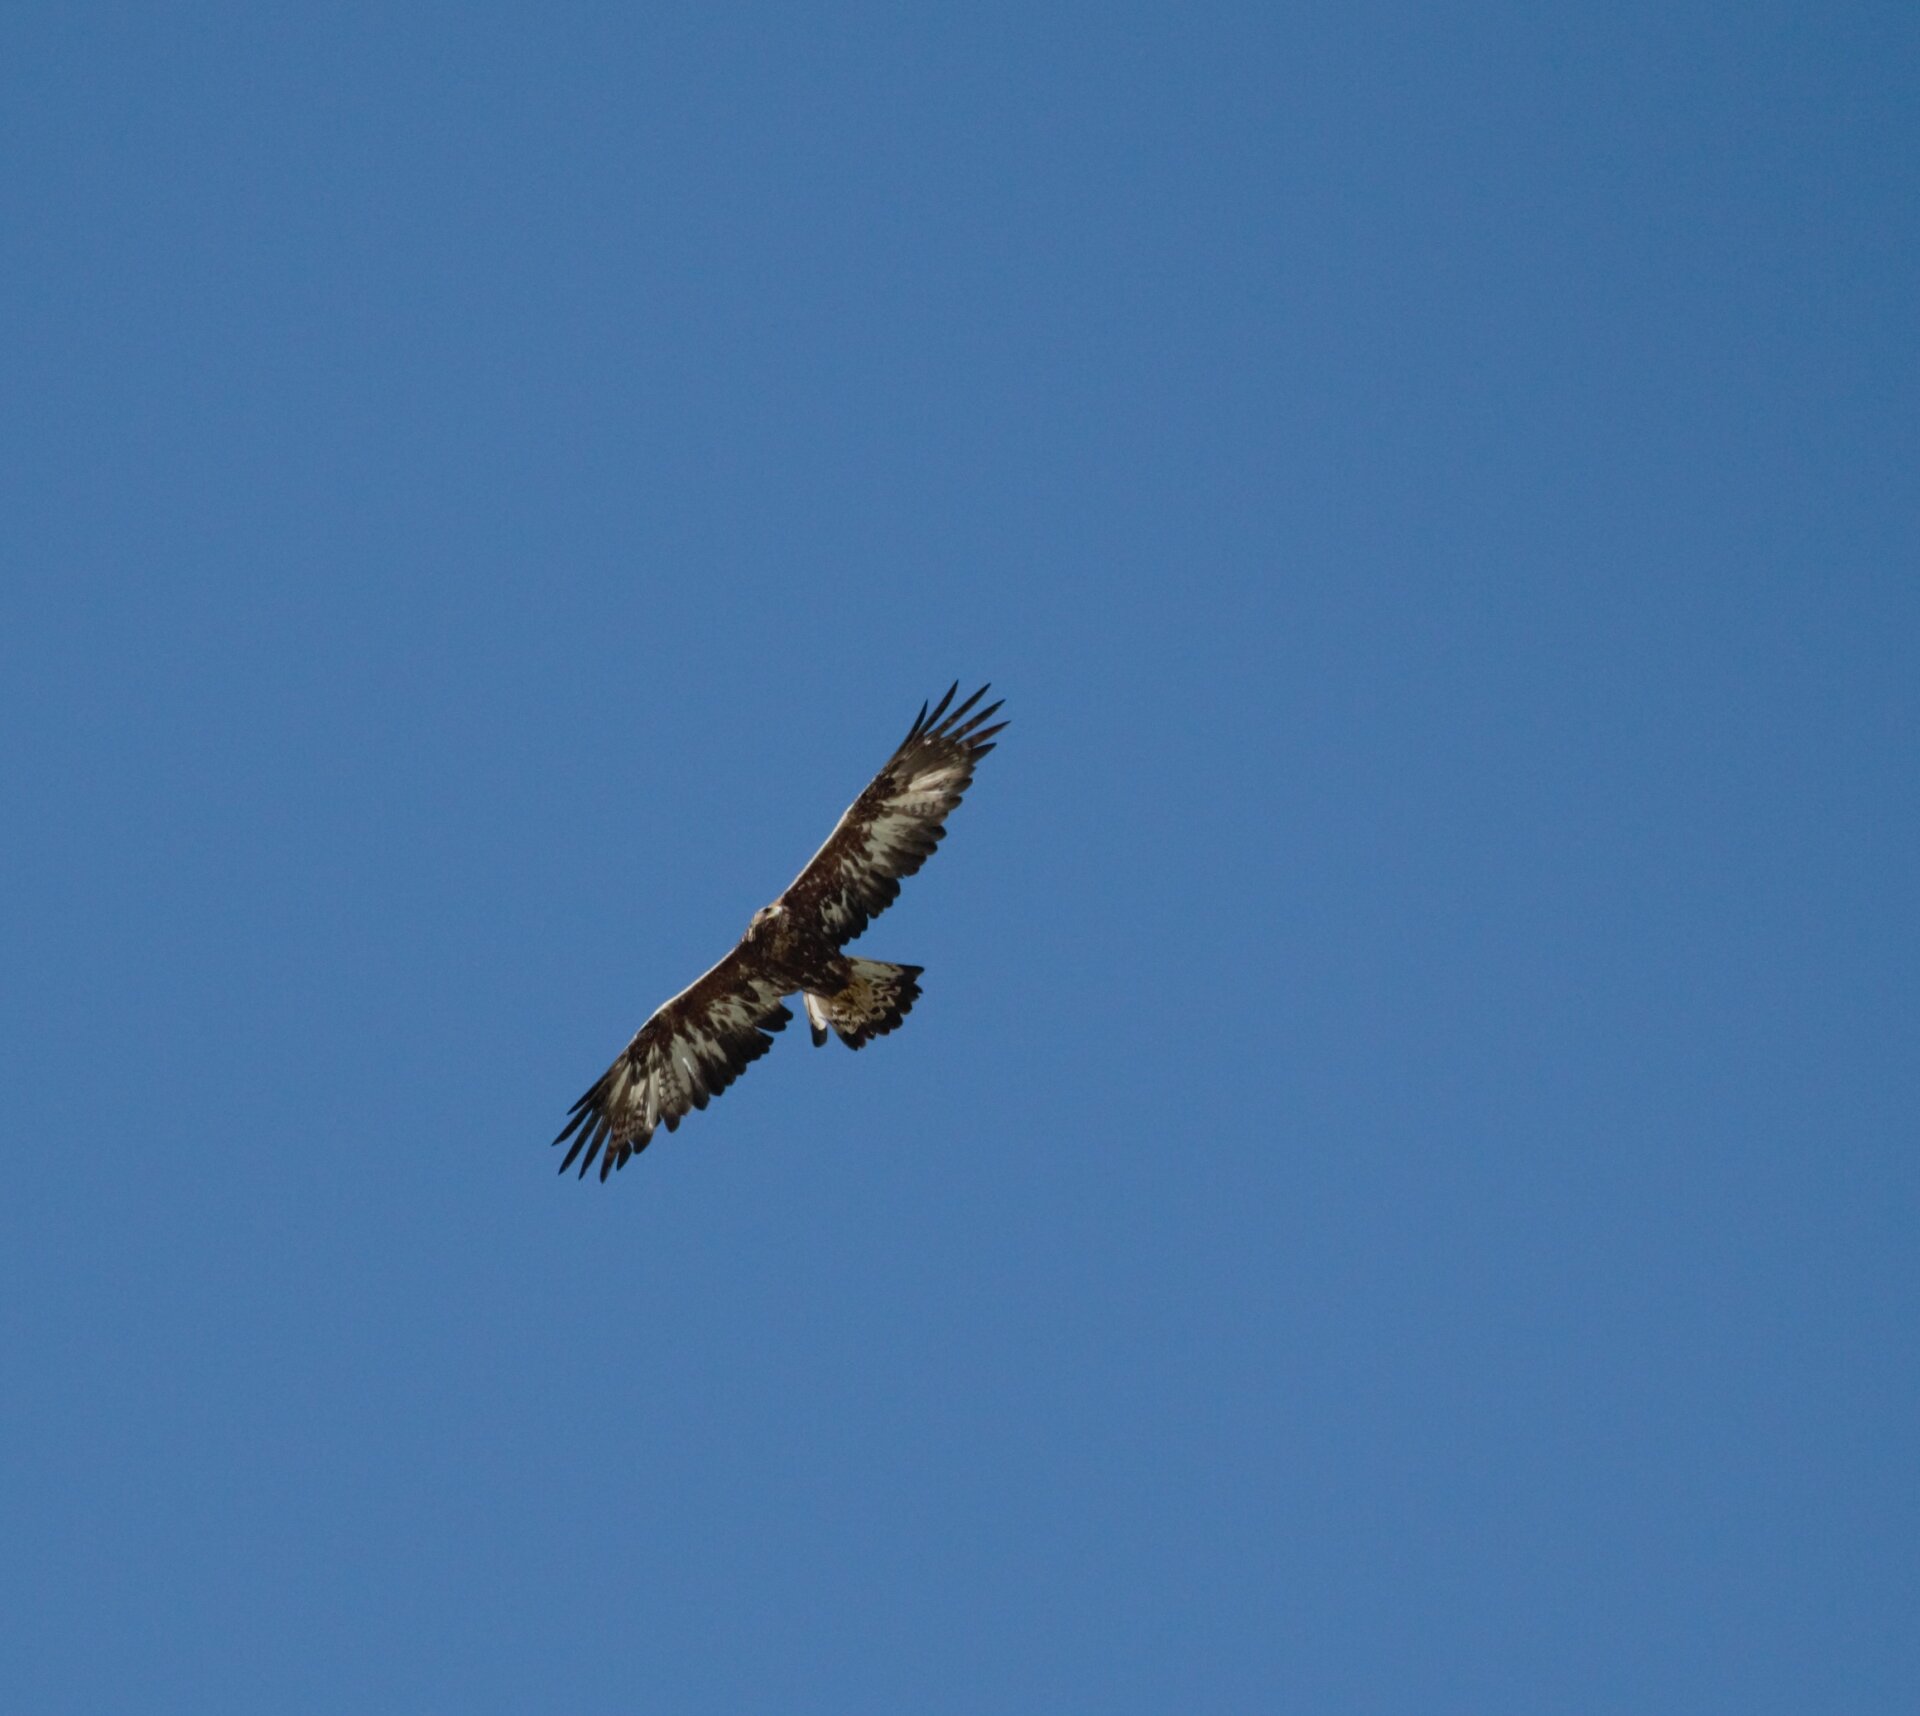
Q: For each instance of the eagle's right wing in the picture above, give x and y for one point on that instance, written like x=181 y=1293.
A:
x=891 y=829
x=689 y=1051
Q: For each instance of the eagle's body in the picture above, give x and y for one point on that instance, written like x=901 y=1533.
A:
x=706 y=1036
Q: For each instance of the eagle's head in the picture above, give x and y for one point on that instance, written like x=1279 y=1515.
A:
x=764 y=916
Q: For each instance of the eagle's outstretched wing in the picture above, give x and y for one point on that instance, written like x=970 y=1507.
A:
x=891 y=829
x=690 y=1050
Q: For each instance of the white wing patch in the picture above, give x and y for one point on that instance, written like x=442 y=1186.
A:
x=684 y=1056
x=713 y=1030
x=892 y=828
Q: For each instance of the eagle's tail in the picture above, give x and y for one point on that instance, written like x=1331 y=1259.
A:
x=876 y=997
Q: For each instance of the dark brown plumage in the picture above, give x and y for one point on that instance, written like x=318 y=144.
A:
x=712 y=1031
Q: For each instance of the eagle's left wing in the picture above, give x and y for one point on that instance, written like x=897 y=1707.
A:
x=891 y=829
x=688 y=1052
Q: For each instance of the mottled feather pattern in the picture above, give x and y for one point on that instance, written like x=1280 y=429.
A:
x=705 y=1037
x=891 y=829
x=679 y=1060
x=877 y=996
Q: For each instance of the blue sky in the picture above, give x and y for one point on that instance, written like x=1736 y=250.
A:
x=1400 y=1192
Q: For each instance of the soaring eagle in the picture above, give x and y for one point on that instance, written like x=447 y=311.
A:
x=706 y=1036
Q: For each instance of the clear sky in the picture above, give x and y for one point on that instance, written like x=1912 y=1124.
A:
x=1400 y=1193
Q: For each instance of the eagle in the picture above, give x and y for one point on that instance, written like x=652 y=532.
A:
x=698 y=1043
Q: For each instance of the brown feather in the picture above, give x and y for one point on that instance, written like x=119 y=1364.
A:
x=721 y=1023
x=698 y=1043
x=891 y=829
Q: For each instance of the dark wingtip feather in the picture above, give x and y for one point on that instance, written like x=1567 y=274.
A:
x=586 y=1131
x=578 y=1113
x=964 y=707
x=972 y=724
x=602 y=1137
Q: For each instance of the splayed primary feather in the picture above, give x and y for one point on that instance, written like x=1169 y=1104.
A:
x=698 y=1043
